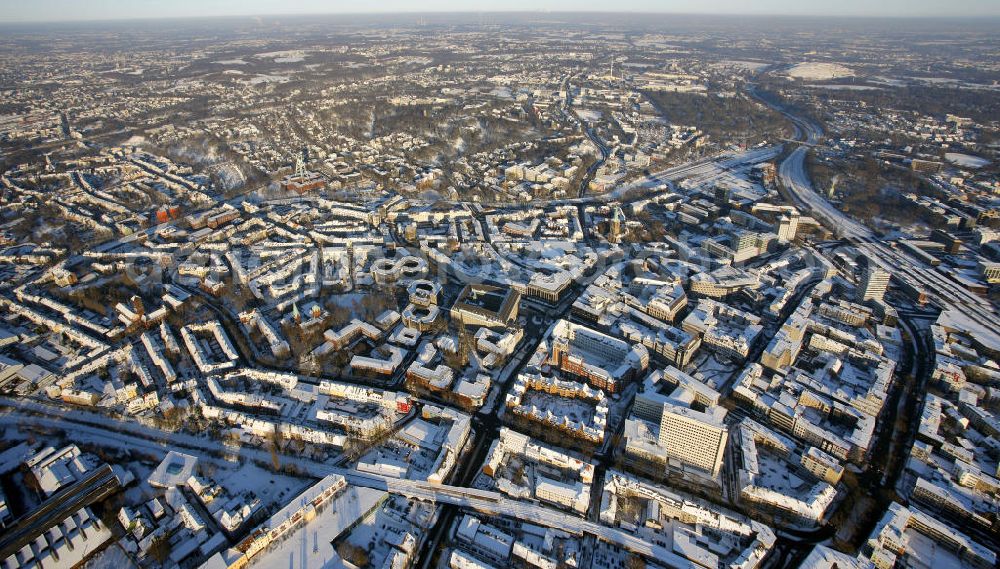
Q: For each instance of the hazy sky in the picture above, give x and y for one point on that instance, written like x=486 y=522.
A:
x=60 y=10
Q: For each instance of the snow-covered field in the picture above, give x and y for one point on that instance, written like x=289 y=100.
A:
x=414 y=59
x=114 y=557
x=819 y=71
x=502 y=92
x=588 y=114
x=965 y=160
x=740 y=64
x=288 y=56
x=268 y=79
x=888 y=81
x=231 y=62
x=845 y=87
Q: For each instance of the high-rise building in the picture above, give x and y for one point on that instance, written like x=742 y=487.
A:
x=788 y=226
x=873 y=283
x=693 y=437
x=686 y=435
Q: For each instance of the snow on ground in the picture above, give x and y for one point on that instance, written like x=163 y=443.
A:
x=845 y=87
x=778 y=475
x=739 y=64
x=965 y=160
x=231 y=62
x=141 y=491
x=502 y=92
x=935 y=80
x=113 y=557
x=270 y=487
x=415 y=59
x=351 y=301
x=588 y=114
x=230 y=176
x=232 y=72
x=268 y=79
x=575 y=409
x=395 y=516
x=135 y=140
x=955 y=318
x=955 y=83
x=819 y=71
x=888 y=81
x=707 y=368
x=14 y=456
x=294 y=551
x=287 y=56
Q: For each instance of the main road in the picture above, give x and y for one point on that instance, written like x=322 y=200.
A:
x=605 y=154
x=959 y=305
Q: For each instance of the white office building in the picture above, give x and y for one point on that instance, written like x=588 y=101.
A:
x=873 y=283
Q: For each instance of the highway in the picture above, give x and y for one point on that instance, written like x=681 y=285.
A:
x=975 y=312
x=958 y=305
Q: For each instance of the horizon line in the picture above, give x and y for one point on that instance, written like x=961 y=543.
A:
x=851 y=16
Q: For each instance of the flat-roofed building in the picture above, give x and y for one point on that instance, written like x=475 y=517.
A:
x=601 y=360
x=686 y=433
x=485 y=305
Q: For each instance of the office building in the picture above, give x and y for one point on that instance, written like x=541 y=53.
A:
x=873 y=283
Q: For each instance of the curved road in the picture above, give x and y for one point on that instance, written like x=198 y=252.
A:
x=605 y=154
x=951 y=296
